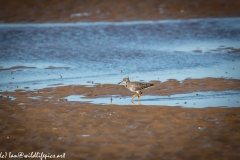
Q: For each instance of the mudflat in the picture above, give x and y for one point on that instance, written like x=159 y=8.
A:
x=45 y=119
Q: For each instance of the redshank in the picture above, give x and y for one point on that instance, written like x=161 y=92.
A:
x=135 y=86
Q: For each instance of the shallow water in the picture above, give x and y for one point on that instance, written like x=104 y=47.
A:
x=193 y=100
x=106 y=52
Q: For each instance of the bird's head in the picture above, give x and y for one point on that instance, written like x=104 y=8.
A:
x=125 y=80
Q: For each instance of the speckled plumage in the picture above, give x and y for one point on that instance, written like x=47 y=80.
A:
x=136 y=86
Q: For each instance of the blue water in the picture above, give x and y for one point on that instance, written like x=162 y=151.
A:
x=187 y=100
x=105 y=52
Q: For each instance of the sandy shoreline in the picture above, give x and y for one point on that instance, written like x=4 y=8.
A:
x=40 y=121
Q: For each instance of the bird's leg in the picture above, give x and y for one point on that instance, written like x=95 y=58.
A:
x=139 y=95
x=134 y=96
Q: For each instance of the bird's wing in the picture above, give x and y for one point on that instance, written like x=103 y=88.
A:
x=139 y=86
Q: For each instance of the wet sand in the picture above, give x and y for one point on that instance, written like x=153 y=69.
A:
x=86 y=131
x=44 y=121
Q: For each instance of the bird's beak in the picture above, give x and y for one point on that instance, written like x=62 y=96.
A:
x=120 y=82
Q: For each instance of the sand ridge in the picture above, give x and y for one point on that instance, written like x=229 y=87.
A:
x=104 y=10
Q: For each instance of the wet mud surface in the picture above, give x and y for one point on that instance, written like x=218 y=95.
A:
x=44 y=120
x=40 y=121
x=58 y=81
